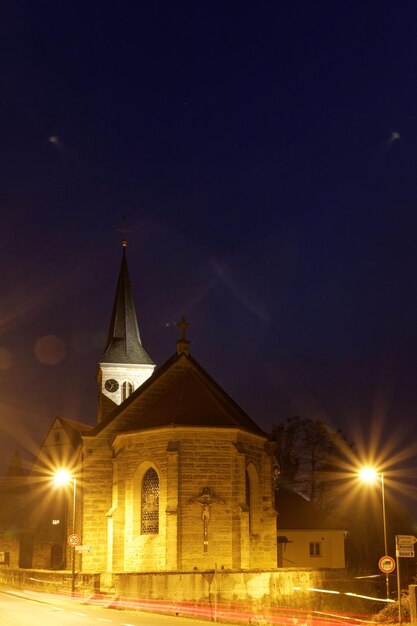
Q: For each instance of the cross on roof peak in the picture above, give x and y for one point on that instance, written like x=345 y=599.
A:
x=124 y=228
x=183 y=343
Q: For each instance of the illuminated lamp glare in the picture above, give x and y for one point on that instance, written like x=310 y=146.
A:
x=368 y=474
x=62 y=477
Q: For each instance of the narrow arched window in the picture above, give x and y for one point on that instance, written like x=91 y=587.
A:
x=150 y=503
x=248 y=499
x=127 y=390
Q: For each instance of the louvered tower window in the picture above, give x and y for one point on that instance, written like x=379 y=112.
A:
x=150 y=503
x=127 y=389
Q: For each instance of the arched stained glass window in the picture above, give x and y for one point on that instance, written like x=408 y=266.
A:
x=127 y=390
x=150 y=503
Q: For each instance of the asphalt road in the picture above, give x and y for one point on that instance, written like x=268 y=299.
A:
x=19 y=608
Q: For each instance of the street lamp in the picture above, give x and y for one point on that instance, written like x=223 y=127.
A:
x=370 y=475
x=64 y=477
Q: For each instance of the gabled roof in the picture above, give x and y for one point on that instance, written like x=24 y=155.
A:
x=74 y=429
x=181 y=393
x=123 y=341
x=61 y=452
x=297 y=513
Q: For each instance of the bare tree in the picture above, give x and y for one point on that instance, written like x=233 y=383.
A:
x=308 y=454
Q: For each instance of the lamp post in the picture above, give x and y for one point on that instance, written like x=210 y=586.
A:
x=370 y=475
x=63 y=477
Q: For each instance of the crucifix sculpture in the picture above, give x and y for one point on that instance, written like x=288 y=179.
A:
x=205 y=499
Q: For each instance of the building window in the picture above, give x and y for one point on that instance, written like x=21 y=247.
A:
x=55 y=522
x=247 y=490
x=315 y=548
x=150 y=503
x=251 y=497
x=248 y=500
x=127 y=390
x=57 y=560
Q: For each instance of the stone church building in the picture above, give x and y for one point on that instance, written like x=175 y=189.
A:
x=174 y=476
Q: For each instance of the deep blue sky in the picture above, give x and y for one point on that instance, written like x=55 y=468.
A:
x=265 y=155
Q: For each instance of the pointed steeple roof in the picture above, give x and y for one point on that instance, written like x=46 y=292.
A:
x=123 y=341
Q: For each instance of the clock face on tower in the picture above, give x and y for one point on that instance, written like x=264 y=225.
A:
x=111 y=385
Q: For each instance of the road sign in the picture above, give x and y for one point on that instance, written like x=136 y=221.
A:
x=405 y=553
x=83 y=548
x=386 y=564
x=74 y=540
x=408 y=540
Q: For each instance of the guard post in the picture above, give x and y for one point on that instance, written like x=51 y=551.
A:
x=412 y=596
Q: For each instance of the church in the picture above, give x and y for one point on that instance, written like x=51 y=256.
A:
x=173 y=477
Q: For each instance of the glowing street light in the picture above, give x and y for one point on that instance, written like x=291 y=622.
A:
x=64 y=477
x=371 y=475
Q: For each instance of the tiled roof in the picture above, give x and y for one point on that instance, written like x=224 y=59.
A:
x=297 y=513
x=192 y=401
x=74 y=430
x=183 y=394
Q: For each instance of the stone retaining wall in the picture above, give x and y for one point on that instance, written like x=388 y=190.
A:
x=244 y=590
x=258 y=589
x=50 y=581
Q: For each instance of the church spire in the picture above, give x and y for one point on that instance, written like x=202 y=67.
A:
x=123 y=341
x=125 y=364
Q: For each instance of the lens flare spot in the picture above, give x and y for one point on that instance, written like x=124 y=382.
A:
x=80 y=343
x=49 y=350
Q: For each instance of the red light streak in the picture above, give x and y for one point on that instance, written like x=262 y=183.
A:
x=225 y=612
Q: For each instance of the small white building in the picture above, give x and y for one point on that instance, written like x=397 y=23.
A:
x=306 y=536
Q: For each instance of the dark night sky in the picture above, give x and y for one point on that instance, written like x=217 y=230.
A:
x=265 y=155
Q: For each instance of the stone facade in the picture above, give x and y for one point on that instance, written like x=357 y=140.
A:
x=186 y=461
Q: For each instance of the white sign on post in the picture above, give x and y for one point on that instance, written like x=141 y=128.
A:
x=405 y=553
x=406 y=540
x=404 y=547
x=74 y=540
x=386 y=564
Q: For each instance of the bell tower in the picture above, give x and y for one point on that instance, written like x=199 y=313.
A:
x=125 y=364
